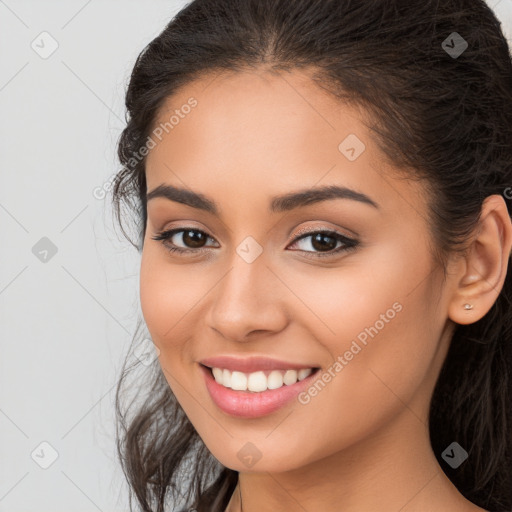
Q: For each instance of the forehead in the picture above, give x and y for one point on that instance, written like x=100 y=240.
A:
x=264 y=134
x=253 y=116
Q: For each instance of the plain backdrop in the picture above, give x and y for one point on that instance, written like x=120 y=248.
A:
x=68 y=280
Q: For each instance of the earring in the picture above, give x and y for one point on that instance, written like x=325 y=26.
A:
x=468 y=306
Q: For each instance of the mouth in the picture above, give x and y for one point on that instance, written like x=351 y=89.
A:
x=255 y=394
x=260 y=380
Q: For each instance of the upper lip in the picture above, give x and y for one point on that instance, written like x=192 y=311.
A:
x=252 y=364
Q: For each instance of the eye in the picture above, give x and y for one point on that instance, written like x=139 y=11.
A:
x=192 y=237
x=324 y=242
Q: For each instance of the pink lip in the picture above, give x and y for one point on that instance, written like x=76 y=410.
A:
x=246 y=404
x=252 y=364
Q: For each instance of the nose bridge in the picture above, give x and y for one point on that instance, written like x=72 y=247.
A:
x=246 y=297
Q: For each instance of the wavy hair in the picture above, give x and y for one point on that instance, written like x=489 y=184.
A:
x=437 y=116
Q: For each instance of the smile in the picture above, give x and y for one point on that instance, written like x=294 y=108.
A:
x=271 y=389
x=259 y=381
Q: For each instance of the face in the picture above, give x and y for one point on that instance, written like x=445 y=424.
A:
x=342 y=283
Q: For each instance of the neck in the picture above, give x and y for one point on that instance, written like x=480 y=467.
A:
x=377 y=474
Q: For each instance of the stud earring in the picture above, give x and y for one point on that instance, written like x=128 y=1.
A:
x=468 y=306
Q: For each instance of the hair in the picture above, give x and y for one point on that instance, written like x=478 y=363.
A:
x=443 y=119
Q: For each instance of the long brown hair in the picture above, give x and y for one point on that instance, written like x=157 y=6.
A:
x=446 y=116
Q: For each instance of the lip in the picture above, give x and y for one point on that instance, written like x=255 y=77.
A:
x=246 y=404
x=252 y=364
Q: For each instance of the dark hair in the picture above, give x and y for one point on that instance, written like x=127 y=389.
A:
x=437 y=116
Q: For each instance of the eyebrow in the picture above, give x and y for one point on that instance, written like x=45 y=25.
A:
x=282 y=203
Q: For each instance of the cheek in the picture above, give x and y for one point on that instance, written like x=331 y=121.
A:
x=382 y=301
x=167 y=296
x=337 y=304
x=378 y=333
x=168 y=293
x=373 y=381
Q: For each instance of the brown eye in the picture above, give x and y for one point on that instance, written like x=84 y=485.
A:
x=192 y=240
x=324 y=243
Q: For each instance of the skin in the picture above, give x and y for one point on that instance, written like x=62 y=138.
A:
x=362 y=442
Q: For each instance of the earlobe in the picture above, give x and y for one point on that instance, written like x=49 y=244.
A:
x=485 y=264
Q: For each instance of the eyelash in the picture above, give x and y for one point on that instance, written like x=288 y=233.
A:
x=349 y=243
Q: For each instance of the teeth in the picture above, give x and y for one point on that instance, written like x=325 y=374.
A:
x=218 y=374
x=226 y=378
x=258 y=381
x=238 y=381
x=290 y=377
x=304 y=373
x=275 y=379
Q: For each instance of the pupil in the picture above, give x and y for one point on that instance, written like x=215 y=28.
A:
x=318 y=242
x=193 y=238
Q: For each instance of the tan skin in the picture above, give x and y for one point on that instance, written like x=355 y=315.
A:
x=362 y=443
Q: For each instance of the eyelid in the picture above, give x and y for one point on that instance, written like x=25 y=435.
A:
x=167 y=233
x=314 y=229
x=309 y=230
x=349 y=243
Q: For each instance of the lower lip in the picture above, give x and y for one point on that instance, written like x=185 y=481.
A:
x=245 y=404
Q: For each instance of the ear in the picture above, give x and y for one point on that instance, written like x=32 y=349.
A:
x=480 y=273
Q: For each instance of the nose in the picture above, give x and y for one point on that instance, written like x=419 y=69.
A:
x=248 y=301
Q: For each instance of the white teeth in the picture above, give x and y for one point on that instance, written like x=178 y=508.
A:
x=274 y=379
x=217 y=373
x=290 y=377
x=258 y=381
x=226 y=378
x=238 y=381
x=302 y=374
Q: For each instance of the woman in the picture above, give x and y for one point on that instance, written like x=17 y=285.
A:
x=323 y=193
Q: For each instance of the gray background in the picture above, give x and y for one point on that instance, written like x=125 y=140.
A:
x=67 y=317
